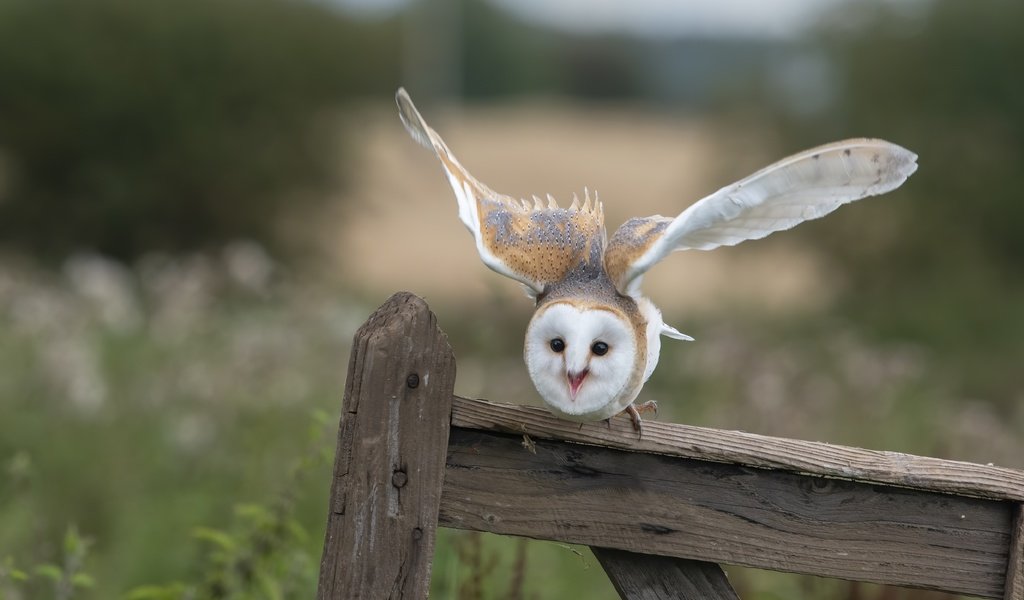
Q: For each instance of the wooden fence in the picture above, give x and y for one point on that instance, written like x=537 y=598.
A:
x=660 y=513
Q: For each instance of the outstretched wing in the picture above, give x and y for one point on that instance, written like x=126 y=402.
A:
x=535 y=243
x=804 y=186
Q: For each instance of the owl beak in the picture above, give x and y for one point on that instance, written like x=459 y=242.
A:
x=575 y=381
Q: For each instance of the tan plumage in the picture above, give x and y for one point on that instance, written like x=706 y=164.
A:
x=534 y=243
x=594 y=339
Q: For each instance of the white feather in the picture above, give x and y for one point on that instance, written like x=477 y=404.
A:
x=804 y=186
x=672 y=332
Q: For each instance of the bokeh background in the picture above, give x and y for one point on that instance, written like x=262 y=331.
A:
x=201 y=200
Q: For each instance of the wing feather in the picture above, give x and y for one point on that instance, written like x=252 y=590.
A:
x=527 y=240
x=805 y=186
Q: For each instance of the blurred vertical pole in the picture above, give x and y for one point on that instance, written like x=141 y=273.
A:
x=432 y=51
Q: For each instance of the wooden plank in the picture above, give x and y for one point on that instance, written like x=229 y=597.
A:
x=1015 y=565
x=737 y=447
x=389 y=466
x=725 y=513
x=649 y=577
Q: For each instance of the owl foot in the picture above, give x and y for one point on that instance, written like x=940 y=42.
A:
x=649 y=406
x=634 y=413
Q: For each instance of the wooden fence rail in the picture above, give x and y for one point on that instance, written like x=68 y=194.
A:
x=660 y=512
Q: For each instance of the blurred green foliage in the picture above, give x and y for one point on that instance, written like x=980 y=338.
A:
x=166 y=413
x=164 y=410
x=163 y=407
x=939 y=80
x=500 y=56
x=176 y=125
x=942 y=260
x=64 y=581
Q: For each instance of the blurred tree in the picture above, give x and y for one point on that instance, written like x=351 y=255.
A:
x=942 y=259
x=503 y=55
x=942 y=83
x=130 y=126
x=499 y=54
x=603 y=68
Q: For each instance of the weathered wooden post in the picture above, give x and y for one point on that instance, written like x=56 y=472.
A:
x=390 y=461
x=1015 y=565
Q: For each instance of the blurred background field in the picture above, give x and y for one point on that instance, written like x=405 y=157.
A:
x=200 y=201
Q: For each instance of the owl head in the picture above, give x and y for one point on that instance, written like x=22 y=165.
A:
x=583 y=359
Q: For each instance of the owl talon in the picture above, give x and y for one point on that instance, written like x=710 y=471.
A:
x=649 y=406
x=638 y=425
x=634 y=412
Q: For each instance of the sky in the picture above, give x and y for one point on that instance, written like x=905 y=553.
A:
x=654 y=18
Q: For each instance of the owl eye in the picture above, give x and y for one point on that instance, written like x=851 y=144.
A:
x=558 y=344
x=599 y=348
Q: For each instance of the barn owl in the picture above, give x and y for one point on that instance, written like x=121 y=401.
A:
x=594 y=339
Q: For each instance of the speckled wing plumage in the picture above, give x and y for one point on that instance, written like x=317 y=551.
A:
x=804 y=186
x=536 y=243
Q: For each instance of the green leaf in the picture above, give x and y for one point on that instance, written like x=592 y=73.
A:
x=297 y=531
x=18 y=575
x=318 y=428
x=51 y=572
x=83 y=580
x=256 y=513
x=322 y=417
x=269 y=586
x=73 y=542
x=214 y=536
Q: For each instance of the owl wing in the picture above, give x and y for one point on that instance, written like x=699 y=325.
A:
x=534 y=243
x=804 y=186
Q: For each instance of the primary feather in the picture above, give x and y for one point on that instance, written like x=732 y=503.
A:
x=804 y=186
x=533 y=242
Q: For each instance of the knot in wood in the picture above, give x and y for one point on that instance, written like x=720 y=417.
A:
x=413 y=380
x=399 y=479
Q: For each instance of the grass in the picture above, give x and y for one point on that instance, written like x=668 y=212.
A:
x=177 y=419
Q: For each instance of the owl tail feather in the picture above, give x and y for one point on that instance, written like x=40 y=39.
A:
x=672 y=332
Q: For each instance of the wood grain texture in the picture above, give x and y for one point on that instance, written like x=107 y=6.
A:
x=390 y=459
x=737 y=447
x=649 y=577
x=725 y=513
x=1015 y=566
